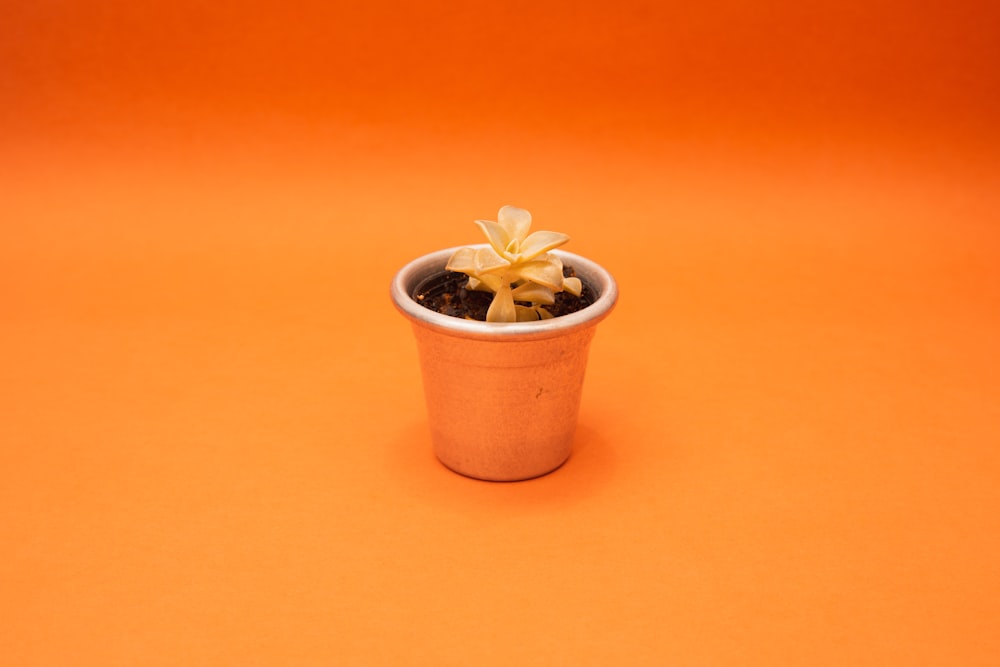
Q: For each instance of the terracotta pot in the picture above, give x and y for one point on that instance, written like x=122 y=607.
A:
x=502 y=398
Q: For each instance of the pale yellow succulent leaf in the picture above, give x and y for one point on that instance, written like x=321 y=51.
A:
x=463 y=260
x=495 y=234
x=488 y=282
x=546 y=271
x=573 y=285
x=502 y=309
x=488 y=261
x=525 y=314
x=515 y=222
x=544 y=314
x=534 y=293
x=540 y=242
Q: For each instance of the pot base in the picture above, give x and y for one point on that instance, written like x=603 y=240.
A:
x=484 y=478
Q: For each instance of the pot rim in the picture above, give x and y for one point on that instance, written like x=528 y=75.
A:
x=594 y=275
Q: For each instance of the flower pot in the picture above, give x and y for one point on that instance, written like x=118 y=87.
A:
x=502 y=398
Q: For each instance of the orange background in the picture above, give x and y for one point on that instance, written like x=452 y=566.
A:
x=213 y=447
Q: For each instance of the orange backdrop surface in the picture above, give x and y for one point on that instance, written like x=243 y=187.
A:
x=213 y=446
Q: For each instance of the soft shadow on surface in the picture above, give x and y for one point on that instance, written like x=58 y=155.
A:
x=411 y=463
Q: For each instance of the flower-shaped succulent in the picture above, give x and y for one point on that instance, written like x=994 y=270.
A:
x=516 y=266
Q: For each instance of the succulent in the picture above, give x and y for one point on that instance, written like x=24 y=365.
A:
x=516 y=267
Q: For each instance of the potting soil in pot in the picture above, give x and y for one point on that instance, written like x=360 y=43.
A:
x=445 y=293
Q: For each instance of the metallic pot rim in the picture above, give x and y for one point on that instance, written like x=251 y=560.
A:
x=594 y=275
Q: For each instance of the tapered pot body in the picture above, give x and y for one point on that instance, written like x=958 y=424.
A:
x=503 y=398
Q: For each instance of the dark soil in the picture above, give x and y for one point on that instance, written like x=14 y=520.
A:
x=445 y=293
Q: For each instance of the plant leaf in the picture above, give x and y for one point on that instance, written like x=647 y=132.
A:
x=487 y=261
x=573 y=285
x=525 y=314
x=502 y=308
x=495 y=234
x=546 y=271
x=463 y=261
x=534 y=293
x=515 y=222
x=488 y=282
x=540 y=242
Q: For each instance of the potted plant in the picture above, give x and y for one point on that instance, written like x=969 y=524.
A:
x=503 y=394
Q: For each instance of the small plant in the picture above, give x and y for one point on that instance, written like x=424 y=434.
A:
x=515 y=267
